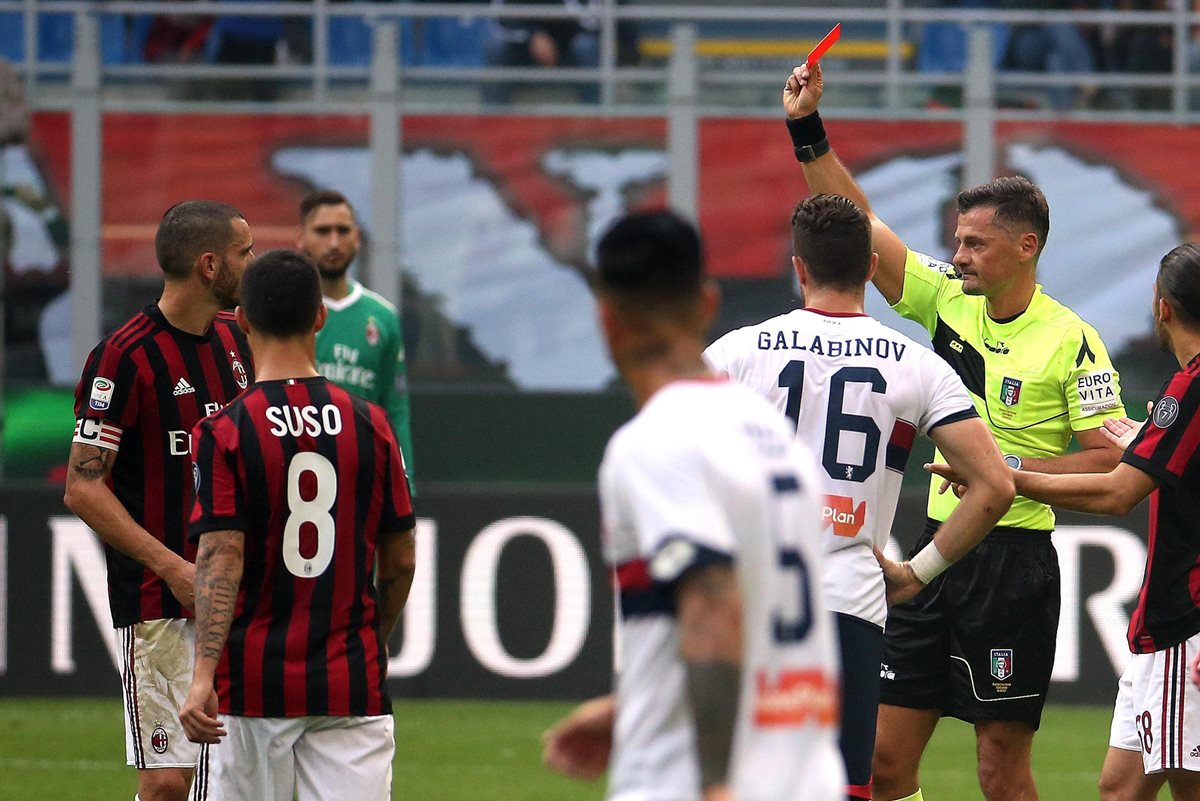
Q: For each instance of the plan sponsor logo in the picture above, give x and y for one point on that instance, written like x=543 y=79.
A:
x=841 y=513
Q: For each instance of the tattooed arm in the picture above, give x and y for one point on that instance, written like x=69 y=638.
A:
x=218 y=575
x=396 y=563
x=708 y=604
x=88 y=496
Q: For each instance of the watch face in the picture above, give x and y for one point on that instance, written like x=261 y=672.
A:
x=1013 y=461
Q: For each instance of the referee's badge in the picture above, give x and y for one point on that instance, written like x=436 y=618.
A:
x=1010 y=391
x=1002 y=663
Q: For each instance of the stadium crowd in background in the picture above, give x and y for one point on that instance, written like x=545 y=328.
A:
x=130 y=474
x=727 y=687
x=361 y=346
x=1038 y=375
x=841 y=375
x=291 y=639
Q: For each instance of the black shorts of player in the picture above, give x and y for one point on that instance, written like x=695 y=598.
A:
x=978 y=642
x=861 y=643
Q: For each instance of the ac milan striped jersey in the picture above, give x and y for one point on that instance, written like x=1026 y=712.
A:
x=143 y=389
x=312 y=477
x=857 y=393
x=1168 y=606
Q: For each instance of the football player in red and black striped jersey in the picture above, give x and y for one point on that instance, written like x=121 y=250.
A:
x=306 y=555
x=1156 y=725
x=143 y=389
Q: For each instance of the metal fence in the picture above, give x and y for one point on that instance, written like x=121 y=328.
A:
x=892 y=82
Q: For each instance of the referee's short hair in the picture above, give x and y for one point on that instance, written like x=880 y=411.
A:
x=1020 y=206
x=281 y=293
x=832 y=236
x=1179 y=282
x=650 y=261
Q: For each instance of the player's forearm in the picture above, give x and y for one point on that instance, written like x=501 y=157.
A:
x=713 y=690
x=219 y=566
x=96 y=505
x=1089 y=460
x=397 y=565
x=828 y=175
x=1081 y=492
x=976 y=515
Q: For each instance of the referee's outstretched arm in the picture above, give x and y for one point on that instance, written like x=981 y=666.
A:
x=826 y=174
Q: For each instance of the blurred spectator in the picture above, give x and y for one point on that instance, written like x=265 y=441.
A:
x=1054 y=48
x=537 y=42
x=178 y=38
x=258 y=40
x=1139 y=49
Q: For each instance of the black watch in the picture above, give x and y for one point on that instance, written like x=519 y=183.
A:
x=1013 y=461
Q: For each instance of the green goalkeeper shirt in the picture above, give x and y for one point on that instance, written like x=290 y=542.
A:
x=1034 y=379
x=361 y=350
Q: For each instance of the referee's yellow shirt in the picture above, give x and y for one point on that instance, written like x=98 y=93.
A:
x=1034 y=379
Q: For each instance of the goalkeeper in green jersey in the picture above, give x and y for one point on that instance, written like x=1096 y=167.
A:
x=361 y=348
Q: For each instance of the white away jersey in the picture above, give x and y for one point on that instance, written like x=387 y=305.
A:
x=708 y=472
x=857 y=393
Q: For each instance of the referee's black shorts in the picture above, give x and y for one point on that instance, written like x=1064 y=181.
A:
x=978 y=642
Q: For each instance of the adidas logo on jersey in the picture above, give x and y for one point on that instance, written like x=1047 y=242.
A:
x=1195 y=752
x=886 y=672
x=183 y=388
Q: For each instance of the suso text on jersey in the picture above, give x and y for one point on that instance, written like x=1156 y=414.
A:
x=297 y=420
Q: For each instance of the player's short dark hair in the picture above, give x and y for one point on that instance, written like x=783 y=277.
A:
x=1179 y=282
x=832 y=236
x=322 y=197
x=281 y=293
x=189 y=229
x=650 y=260
x=1019 y=204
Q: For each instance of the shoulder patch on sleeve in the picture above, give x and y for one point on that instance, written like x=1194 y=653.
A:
x=102 y=393
x=1097 y=390
x=672 y=559
x=1166 y=412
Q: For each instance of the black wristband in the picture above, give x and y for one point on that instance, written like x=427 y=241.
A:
x=808 y=137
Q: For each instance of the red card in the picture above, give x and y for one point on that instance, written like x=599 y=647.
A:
x=824 y=45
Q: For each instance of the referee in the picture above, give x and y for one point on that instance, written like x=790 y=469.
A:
x=978 y=642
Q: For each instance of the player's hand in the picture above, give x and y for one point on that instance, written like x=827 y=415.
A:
x=182 y=581
x=803 y=91
x=952 y=480
x=718 y=792
x=199 y=715
x=579 y=745
x=1194 y=669
x=900 y=581
x=1121 y=431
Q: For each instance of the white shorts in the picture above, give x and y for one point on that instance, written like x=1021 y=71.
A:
x=317 y=758
x=1158 y=709
x=156 y=672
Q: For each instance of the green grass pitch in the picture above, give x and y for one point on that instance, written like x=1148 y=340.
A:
x=68 y=749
